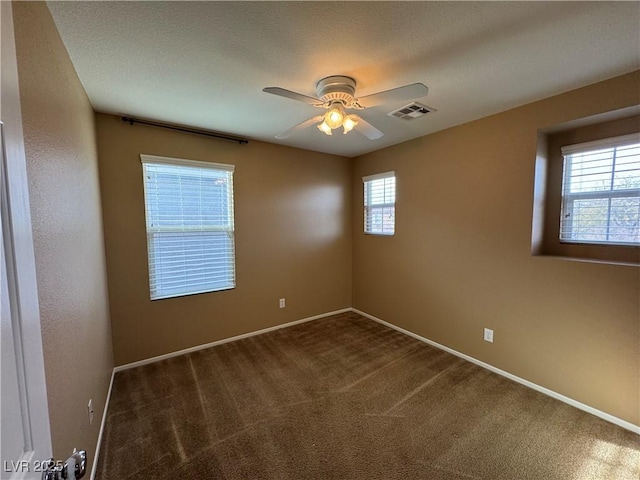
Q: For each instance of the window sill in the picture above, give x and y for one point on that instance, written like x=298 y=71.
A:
x=590 y=260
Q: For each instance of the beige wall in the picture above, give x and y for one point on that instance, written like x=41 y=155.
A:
x=461 y=261
x=65 y=207
x=293 y=240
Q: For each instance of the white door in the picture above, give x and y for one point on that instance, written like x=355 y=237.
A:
x=11 y=420
x=26 y=438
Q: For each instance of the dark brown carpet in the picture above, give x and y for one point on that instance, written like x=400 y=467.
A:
x=347 y=398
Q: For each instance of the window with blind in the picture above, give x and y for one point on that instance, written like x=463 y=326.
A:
x=380 y=203
x=601 y=192
x=190 y=233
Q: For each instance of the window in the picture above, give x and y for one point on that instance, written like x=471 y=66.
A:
x=556 y=177
x=380 y=203
x=601 y=192
x=189 y=216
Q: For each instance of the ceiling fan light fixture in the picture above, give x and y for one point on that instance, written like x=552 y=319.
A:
x=334 y=116
x=349 y=122
x=324 y=128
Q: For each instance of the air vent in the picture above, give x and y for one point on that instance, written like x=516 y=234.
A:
x=411 y=111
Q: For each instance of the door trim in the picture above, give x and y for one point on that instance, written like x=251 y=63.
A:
x=19 y=251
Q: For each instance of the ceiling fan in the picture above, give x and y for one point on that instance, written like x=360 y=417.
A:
x=336 y=94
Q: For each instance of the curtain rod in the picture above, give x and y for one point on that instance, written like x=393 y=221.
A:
x=206 y=133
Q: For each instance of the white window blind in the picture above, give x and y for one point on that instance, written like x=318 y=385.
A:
x=190 y=234
x=601 y=192
x=380 y=203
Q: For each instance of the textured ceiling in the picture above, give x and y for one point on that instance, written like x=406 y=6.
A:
x=204 y=64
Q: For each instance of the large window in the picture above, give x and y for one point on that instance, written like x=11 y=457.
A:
x=380 y=203
x=189 y=213
x=601 y=192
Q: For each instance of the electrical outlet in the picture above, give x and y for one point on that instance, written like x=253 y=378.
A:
x=90 y=409
x=488 y=335
x=282 y=303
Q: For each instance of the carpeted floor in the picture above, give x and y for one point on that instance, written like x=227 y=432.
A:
x=347 y=398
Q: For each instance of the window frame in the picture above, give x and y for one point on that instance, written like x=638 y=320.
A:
x=568 y=199
x=547 y=187
x=369 y=207
x=155 y=291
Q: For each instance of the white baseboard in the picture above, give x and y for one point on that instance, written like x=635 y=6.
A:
x=574 y=403
x=94 y=468
x=226 y=340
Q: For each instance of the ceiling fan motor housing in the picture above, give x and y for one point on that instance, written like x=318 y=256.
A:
x=336 y=88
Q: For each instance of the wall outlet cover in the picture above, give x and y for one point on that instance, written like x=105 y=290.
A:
x=90 y=410
x=488 y=335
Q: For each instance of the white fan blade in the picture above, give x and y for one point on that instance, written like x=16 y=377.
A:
x=282 y=92
x=300 y=126
x=366 y=129
x=415 y=90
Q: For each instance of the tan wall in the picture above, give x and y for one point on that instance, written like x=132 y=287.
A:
x=461 y=261
x=293 y=240
x=65 y=207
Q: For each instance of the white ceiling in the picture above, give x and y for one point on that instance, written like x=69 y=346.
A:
x=204 y=64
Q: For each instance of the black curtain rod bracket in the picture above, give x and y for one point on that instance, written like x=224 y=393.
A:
x=206 y=133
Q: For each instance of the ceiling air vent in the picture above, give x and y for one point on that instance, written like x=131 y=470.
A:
x=411 y=111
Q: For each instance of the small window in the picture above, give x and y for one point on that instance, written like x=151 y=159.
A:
x=380 y=203
x=601 y=192
x=190 y=234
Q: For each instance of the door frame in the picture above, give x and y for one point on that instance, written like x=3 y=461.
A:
x=20 y=259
